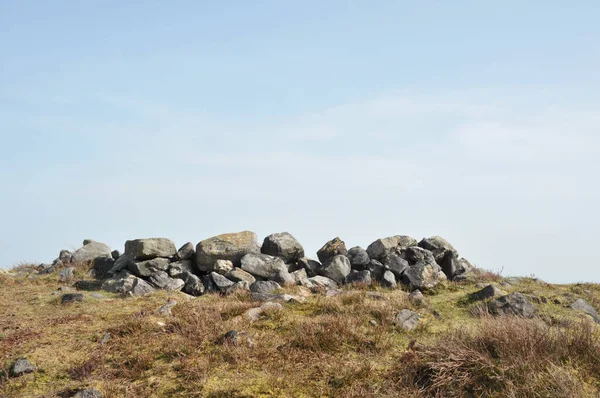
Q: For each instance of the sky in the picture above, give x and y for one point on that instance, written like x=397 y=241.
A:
x=475 y=120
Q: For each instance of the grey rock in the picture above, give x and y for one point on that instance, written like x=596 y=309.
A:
x=272 y=297
x=388 y=280
x=230 y=247
x=186 y=252
x=416 y=296
x=284 y=246
x=254 y=314
x=584 y=306
x=180 y=269
x=381 y=247
x=311 y=266
x=125 y=283
x=463 y=266
x=415 y=254
x=146 y=249
x=87 y=393
x=332 y=292
x=162 y=280
x=149 y=267
x=165 y=309
x=209 y=284
x=223 y=266
x=407 y=319
x=70 y=298
x=337 y=268
x=264 y=287
x=91 y=251
x=334 y=247
x=239 y=275
x=115 y=254
x=65 y=256
x=66 y=274
x=267 y=267
x=421 y=276
x=438 y=246
x=487 y=292
x=103 y=266
x=359 y=277
x=193 y=285
x=105 y=339
x=377 y=269
x=359 y=258
x=88 y=285
x=221 y=282
x=87 y=241
x=322 y=281
x=450 y=265
x=242 y=286
x=122 y=263
x=20 y=367
x=512 y=304
x=395 y=263
x=299 y=275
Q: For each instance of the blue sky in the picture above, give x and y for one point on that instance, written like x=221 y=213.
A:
x=474 y=120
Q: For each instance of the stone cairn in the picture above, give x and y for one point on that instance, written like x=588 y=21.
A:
x=235 y=261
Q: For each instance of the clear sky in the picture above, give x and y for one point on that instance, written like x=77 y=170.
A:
x=475 y=120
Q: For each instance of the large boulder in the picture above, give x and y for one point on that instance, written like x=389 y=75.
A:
x=186 y=252
x=283 y=245
x=125 y=283
x=585 y=307
x=20 y=367
x=264 y=287
x=145 y=249
x=149 y=267
x=395 y=263
x=193 y=285
x=91 y=251
x=266 y=267
x=180 y=269
x=359 y=258
x=407 y=319
x=388 y=280
x=239 y=275
x=337 y=268
x=438 y=246
x=230 y=247
x=334 y=247
x=311 y=266
x=512 y=304
x=162 y=280
x=415 y=254
x=221 y=282
x=321 y=281
x=487 y=292
x=421 y=276
x=381 y=247
x=359 y=277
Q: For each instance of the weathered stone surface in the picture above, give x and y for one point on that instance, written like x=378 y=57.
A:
x=322 y=281
x=264 y=287
x=585 y=307
x=88 y=285
x=487 y=292
x=66 y=274
x=186 y=252
x=124 y=283
x=70 y=298
x=20 y=367
x=416 y=296
x=334 y=247
x=88 y=393
x=145 y=249
x=359 y=277
x=377 y=269
x=388 y=280
x=149 y=267
x=165 y=309
x=193 y=285
x=238 y=287
x=120 y=264
x=254 y=314
x=181 y=269
x=65 y=256
x=415 y=254
x=162 y=280
x=221 y=282
x=283 y=245
x=438 y=246
x=359 y=258
x=91 y=251
x=337 y=268
x=102 y=267
x=230 y=247
x=395 y=263
x=209 y=284
x=267 y=267
x=311 y=266
x=407 y=319
x=381 y=247
x=512 y=304
x=421 y=276
x=239 y=275
x=223 y=266
x=115 y=254
x=299 y=275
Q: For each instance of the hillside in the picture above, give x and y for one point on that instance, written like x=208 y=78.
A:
x=469 y=334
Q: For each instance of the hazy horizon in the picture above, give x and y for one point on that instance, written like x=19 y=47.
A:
x=476 y=122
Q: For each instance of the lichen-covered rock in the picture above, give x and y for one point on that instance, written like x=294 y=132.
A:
x=223 y=266
x=359 y=277
x=334 y=247
x=321 y=282
x=65 y=256
x=91 y=251
x=87 y=393
x=359 y=258
x=407 y=319
x=337 y=268
x=230 y=247
x=149 y=267
x=145 y=249
x=181 y=269
x=284 y=246
x=267 y=267
x=438 y=246
x=512 y=304
x=125 y=283
x=381 y=247
x=395 y=263
x=421 y=276
x=186 y=252
x=20 y=367
x=221 y=282
x=162 y=280
x=193 y=285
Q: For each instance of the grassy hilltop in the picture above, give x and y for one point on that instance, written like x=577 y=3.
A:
x=345 y=345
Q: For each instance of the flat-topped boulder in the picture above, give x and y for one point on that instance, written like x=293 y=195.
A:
x=230 y=247
x=91 y=251
x=263 y=266
x=382 y=247
x=146 y=249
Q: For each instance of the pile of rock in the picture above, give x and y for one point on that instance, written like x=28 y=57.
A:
x=233 y=262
